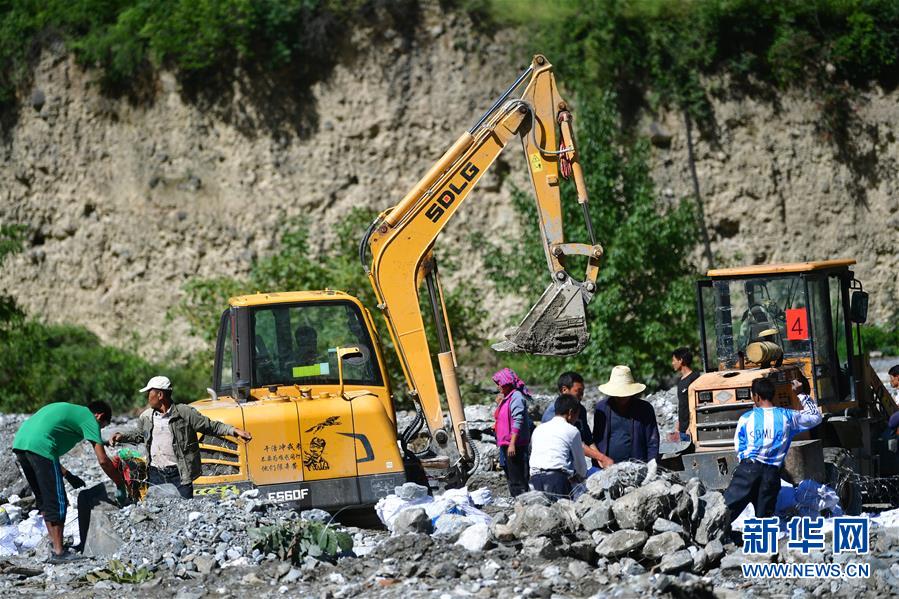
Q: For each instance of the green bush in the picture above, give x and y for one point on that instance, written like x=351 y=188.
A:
x=884 y=339
x=126 y=38
x=644 y=305
x=44 y=363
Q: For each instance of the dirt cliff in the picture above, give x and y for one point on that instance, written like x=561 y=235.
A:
x=126 y=201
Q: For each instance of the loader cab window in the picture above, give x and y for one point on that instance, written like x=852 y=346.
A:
x=297 y=345
x=737 y=312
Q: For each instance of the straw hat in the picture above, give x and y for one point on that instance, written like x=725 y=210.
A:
x=621 y=383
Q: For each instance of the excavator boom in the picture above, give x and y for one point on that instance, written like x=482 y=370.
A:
x=402 y=238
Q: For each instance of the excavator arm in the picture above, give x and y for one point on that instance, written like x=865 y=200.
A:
x=402 y=238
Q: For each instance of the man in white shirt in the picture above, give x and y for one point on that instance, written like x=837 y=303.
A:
x=557 y=454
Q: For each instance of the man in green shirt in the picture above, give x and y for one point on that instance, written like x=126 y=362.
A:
x=48 y=434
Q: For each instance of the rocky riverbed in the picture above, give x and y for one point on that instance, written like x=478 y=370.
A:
x=636 y=531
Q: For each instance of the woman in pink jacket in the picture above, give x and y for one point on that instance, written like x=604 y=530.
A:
x=513 y=429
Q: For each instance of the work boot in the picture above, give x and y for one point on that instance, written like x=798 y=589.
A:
x=63 y=558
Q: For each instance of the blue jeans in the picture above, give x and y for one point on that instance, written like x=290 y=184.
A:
x=170 y=475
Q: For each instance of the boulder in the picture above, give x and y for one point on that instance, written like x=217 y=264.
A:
x=663 y=525
x=475 y=538
x=714 y=551
x=676 y=562
x=412 y=520
x=537 y=520
x=533 y=498
x=662 y=544
x=714 y=520
x=640 y=508
x=587 y=501
x=504 y=533
x=582 y=550
x=621 y=543
x=612 y=481
x=598 y=517
x=102 y=538
x=539 y=547
x=410 y=491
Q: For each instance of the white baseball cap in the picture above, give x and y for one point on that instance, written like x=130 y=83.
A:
x=158 y=382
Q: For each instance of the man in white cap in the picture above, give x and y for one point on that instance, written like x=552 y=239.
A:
x=624 y=426
x=169 y=431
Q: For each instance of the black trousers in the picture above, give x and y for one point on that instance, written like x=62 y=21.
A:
x=170 y=475
x=552 y=482
x=755 y=483
x=44 y=476
x=516 y=468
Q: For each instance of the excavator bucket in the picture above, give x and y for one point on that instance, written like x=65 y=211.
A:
x=555 y=326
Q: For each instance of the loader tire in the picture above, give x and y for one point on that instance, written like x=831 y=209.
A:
x=839 y=463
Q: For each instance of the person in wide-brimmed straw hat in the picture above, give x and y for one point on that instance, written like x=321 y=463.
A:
x=624 y=426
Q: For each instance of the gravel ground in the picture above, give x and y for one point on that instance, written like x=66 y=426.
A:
x=202 y=547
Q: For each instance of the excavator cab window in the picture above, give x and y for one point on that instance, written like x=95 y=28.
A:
x=297 y=345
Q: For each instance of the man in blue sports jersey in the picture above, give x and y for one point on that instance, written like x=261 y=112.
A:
x=762 y=440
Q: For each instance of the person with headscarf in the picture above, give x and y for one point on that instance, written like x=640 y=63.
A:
x=513 y=429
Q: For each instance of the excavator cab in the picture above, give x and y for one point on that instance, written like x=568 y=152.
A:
x=322 y=418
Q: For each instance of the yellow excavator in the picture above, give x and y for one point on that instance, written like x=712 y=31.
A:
x=304 y=371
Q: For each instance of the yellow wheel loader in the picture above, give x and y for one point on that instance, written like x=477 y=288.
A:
x=789 y=321
x=304 y=371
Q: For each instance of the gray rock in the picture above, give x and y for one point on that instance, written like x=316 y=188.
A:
x=700 y=560
x=714 y=550
x=663 y=525
x=714 y=522
x=412 y=520
x=598 y=517
x=677 y=561
x=315 y=515
x=611 y=481
x=475 y=538
x=102 y=538
x=410 y=491
x=537 y=520
x=631 y=567
x=204 y=563
x=578 y=570
x=166 y=490
x=582 y=550
x=292 y=576
x=621 y=543
x=504 y=533
x=539 y=547
x=640 y=508
x=533 y=498
x=662 y=544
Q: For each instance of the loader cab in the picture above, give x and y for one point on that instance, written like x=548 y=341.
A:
x=805 y=308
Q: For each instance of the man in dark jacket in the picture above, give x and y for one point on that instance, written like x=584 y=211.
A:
x=624 y=426
x=169 y=431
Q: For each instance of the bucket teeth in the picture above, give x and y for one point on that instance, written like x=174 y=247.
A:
x=555 y=326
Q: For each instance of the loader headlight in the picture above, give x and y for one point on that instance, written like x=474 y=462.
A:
x=743 y=393
x=705 y=396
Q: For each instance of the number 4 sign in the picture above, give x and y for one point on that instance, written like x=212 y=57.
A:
x=797 y=324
